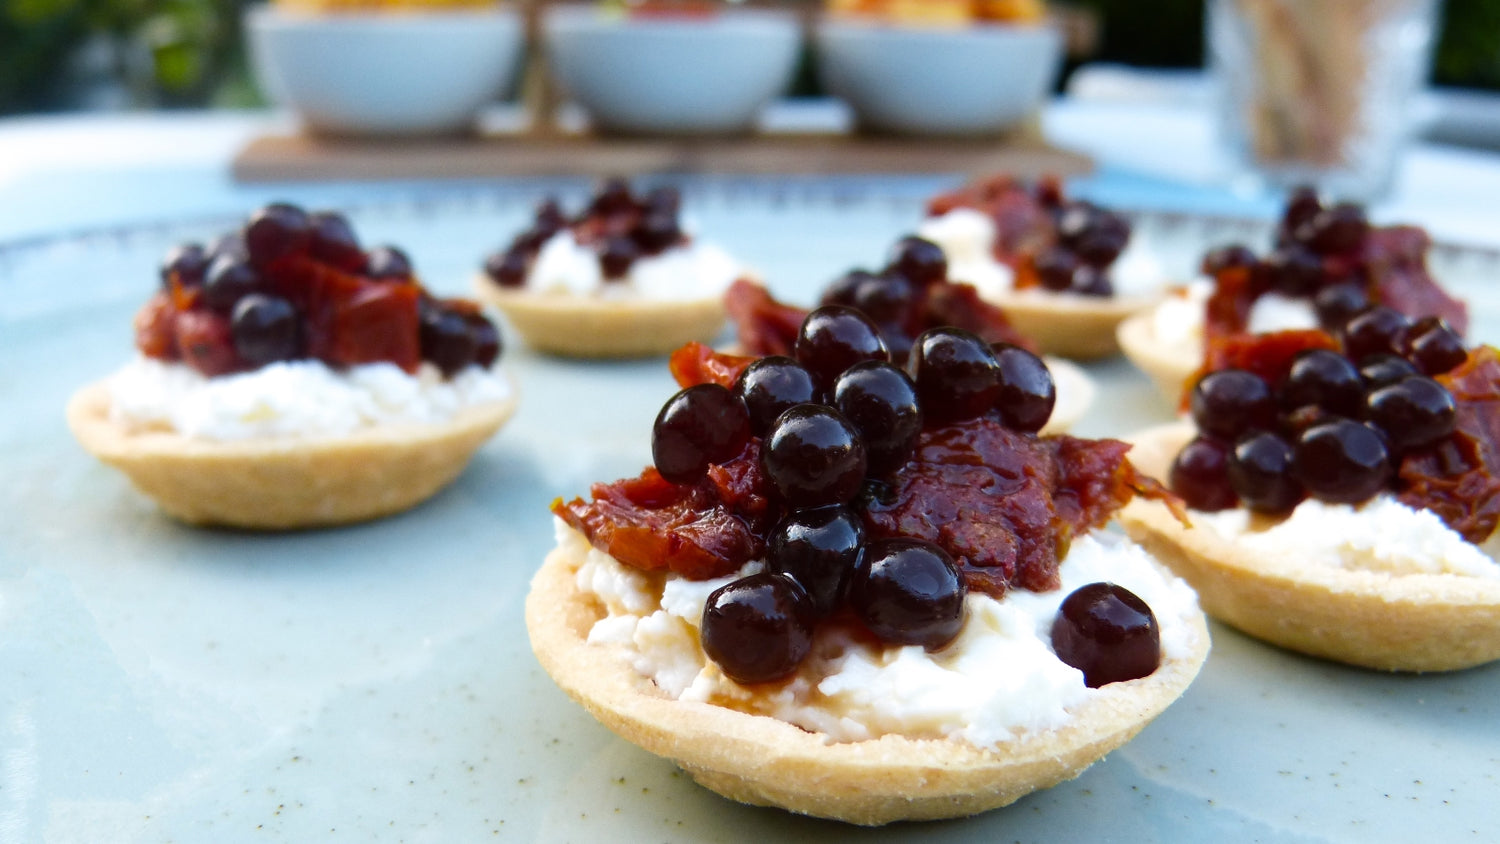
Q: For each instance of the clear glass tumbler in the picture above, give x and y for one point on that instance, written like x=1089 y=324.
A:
x=1319 y=91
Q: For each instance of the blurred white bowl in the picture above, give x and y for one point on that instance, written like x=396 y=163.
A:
x=667 y=75
x=391 y=72
x=979 y=79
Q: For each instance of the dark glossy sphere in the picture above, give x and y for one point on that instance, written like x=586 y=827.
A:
x=885 y=299
x=1076 y=220
x=1337 y=303
x=818 y=548
x=228 y=280
x=187 y=263
x=880 y=401
x=1341 y=461
x=618 y=255
x=703 y=424
x=229 y=243
x=1055 y=268
x=1378 y=371
x=265 y=329
x=770 y=386
x=908 y=592
x=814 y=457
x=1323 y=378
x=656 y=231
x=612 y=197
x=1338 y=230
x=446 y=340
x=1226 y=257
x=1293 y=270
x=1107 y=632
x=388 y=263
x=842 y=290
x=1092 y=281
x=334 y=242
x=486 y=336
x=921 y=261
x=1260 y=473
x=1027 y=392
x=1301 y=206
x=549 y=216
x=1200 y=475
x=1433 y=347
x=508 y=268
x=1104 y=240
x=663 y=200
x=956 y=373
x=1373 y=331
x=1413 y=412
x=1229 y=402
x=834 y=338
x=758 y=628
x=275 y=231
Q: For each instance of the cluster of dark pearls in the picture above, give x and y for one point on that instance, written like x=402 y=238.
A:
x=1335 y=428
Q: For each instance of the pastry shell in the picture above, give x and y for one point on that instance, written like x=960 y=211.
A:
x=763 y=761
x=572 y=325
x=1168 y=368
x=1077 y=327
x=276 y=483
x=1414 y=622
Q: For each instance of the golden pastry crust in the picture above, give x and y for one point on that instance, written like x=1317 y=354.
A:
x=763 y=761
x=1414 y=622
x=1168 y=368
x=1077 y=327
x=278 y=483
x=590 y=327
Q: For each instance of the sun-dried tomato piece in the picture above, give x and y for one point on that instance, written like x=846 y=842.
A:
x=1267 y=355
x=696 y=363
x=351 y=319
x=156 y=328
x=1024 y=223
x=206 y=343
x=763 y=325
x=1456 y=479
x=1397 y=261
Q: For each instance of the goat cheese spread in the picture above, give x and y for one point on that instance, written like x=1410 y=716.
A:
x=295 y=398
x=967 y=237
x=996 y=681
x=1177 y=323
x=694 y=270
x=1382 y=535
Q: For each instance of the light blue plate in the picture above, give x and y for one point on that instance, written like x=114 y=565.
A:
x=159 y=682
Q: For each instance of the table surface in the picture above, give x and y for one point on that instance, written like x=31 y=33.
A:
x=374 y=683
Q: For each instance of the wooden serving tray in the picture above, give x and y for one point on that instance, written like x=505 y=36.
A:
x=308 y=158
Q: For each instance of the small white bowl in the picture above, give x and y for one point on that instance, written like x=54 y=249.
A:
x=385 y=73
x=665 y=75
x=975 y=80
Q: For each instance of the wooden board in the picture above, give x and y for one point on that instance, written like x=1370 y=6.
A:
x=306 y=158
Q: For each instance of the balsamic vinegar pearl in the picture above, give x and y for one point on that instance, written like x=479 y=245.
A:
x=1413 y=412
x=1107 y=632
x=1341 y=461
x=1433 y=346
x=1104 y=240
x=758 y=628
x=1228 y=402
x=229 y=243
x=1092 y=281
x=486 y=340
x=1301 y=206
x=842 y=290
x=1338 y=230
x=818 y=548
x=228 y=280
x=834 y=338
x=908 y=592
x=618 y=255
x=1200 y=475
x=508 y=268
x=1027 y=392
x=265 y=329
x=921 y=261
x=446 y=340
x=884 y=298
x=275 y=231
x=333 y=241
x=388 y=263
x=1375 y=330
x=1383 y=370
x=1226 y=257
x=1294 y=270
x=770 y=386
x=703 y=424
x=188 y=262
x=880 y=401
x=1325 y=379
x=656 y=232
x=613 y=197
x=1260 y=472
x=1055 y=268
x=956 y=374
x=1337 y=303
x=814 y=457
x=549 y=216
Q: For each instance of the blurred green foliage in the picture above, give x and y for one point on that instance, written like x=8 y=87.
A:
x=60 y=54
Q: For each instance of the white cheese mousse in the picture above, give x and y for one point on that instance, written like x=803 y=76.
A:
x=998 y=679
x=688 y=271
x=303 y=398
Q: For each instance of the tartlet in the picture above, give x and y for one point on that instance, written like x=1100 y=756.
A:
x=1052 y=263
x=287 y=379
x=620 y=280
